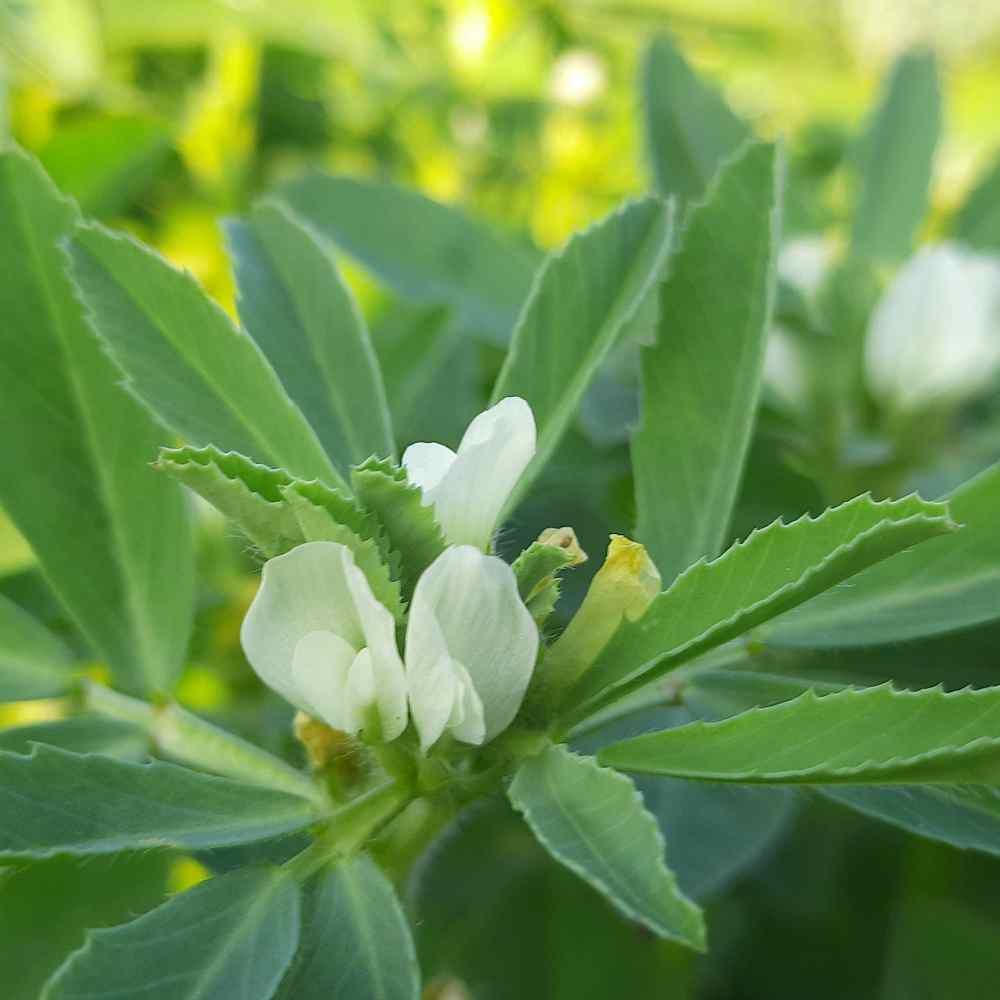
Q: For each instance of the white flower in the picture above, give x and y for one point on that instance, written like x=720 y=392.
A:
x=935 y=335
x=469 y=488
x=804 y=263
x=317 y=635
x=471 y=646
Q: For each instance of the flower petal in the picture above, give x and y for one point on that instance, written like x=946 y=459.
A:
x=301 y=592
x=426 y=463
x=386 y=666
x=495 y=450
x=469 y=601
x=467 y=722
x=320 y=669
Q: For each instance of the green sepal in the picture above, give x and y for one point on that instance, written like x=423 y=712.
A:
x=411 y=528
x=535 y=570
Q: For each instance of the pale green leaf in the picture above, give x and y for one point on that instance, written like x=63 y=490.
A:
x=230 y=938
x=112 y=537
x=80 y=734
x=690 y=129
x=896 y=159
x=585 y=297
x=356 y=942
x=772 y=571
x=248 y=494
x=947 y=584
x=56 y=802
x=294 y=303
x=593 y=821
x=411 y=529
x=34 y=663
x=856 y=736
x=458 y=261
x=701 y=380
x=978 y=220
x=183 y=358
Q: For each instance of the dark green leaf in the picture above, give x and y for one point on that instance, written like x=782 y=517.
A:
x=56 y=802
x=593 y=821
x=80 y=734
x=230 y=938
x=701 y=380
x=112 y=537
x=183 y=358
x=295 y=305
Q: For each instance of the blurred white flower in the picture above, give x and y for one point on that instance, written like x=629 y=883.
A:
x=317 y=635
x=804 y=264
x=469 y=488
x=935 y=334
x=471 y=646
x=578 y=78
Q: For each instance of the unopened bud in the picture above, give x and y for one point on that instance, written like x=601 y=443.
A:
x=565 y=539
x=623 y=587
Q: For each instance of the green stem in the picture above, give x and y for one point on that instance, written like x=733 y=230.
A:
x=350 y=827
x=176 y=733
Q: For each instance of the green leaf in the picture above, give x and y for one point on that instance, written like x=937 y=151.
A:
x=47 y=907
x=947 y=584
x=772 y=571
x=701 y=380
x=690 y=129
x=593 y=821
x=585 y=297
x=183 y=358
x=248 y=494
x=33 y=662
x=978 y=220
x=896 y=159
x=80 y=734
x=965 y=816
x=105 y=162
x=536 y=570
x=230 y=938
x=113 y=538
x=56 y=802
x=412 y=531
x=294 y=303
x=869 y=736
x=460 y=262
x=356 y=943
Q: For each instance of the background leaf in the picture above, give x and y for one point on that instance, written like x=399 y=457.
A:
x=34 y=663
x=457 y=261
x=977 y=222
x=941 y=586
x=56 y=802
x=869 y=736
x=585 y=297
x=896 y=159
x=356 y=942
x=80 y=734
x=593 y=821
x=701 y=380
x=773 y=570
x=46 y=908
x=229 y=938
x=112 y=537
x=297 y=308
x=184 y=359
x=690 y=128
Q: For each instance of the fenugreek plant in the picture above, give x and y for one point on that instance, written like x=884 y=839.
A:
x=431 y=678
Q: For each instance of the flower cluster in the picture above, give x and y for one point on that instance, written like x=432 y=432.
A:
x=317 y=635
